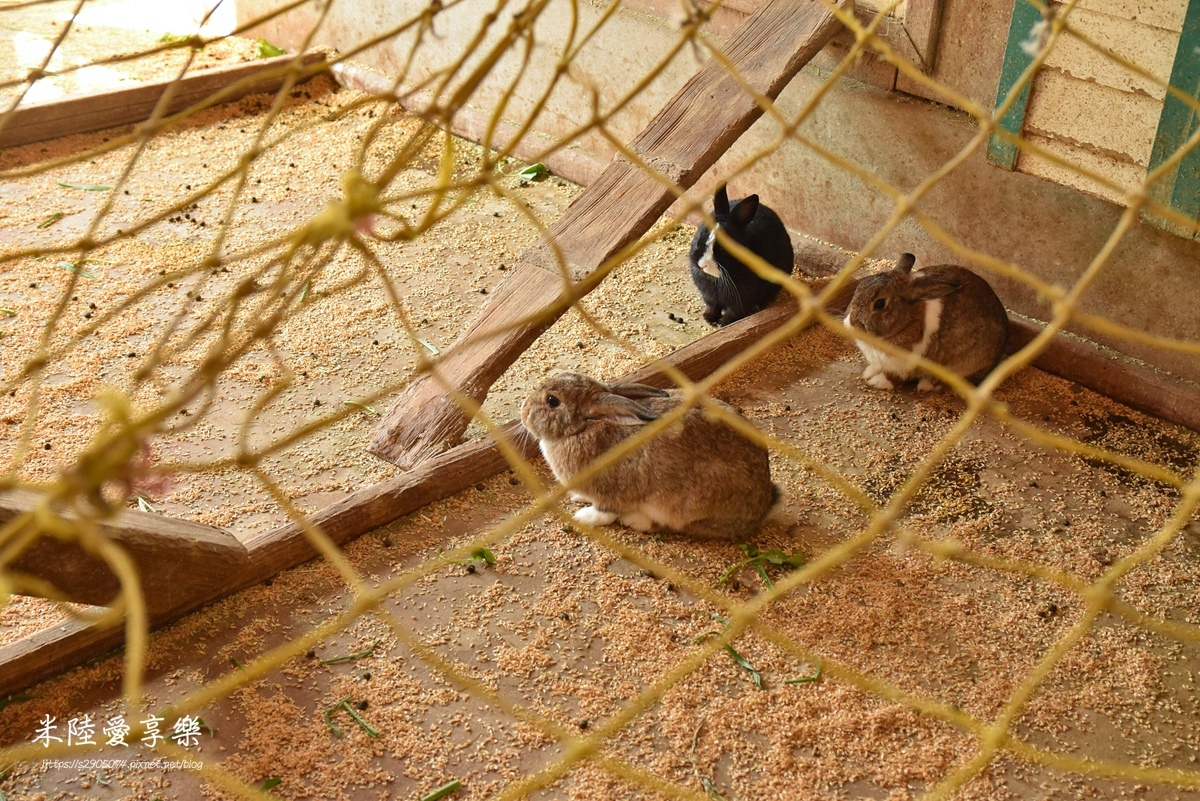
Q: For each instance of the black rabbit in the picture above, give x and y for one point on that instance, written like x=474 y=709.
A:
x=729 y=288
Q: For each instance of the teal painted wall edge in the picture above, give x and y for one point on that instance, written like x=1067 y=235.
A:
x=1179 y=187
x=1025 y=15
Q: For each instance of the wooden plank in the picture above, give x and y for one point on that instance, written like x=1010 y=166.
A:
x=176 y=559
x=1136 y=385
x=1179 y=187
x=1016 y=60
x=682 y=141
x=94 y=112
x=47 y=653
x=42 y=655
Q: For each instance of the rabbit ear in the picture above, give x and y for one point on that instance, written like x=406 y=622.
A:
x=721 y=202
x=745 y=210
x=622 y=411
x=636 y=391
x=905 y=263
x=930 y=288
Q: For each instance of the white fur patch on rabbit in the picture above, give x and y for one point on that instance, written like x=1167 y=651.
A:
x=638 y=521
x=943 y=313
x=592 y=516
x=881 y=364
x=707 y=262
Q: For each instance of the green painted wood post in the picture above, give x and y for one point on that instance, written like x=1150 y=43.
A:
x=1179 y=187
x=1025 y=15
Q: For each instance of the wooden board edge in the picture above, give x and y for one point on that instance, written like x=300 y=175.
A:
x=130 y=104
x=176 y=559
x=51 y=651
x=1127 y=381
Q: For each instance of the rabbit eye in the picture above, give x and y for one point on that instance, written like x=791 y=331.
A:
x=879 y=304
x=552 y=401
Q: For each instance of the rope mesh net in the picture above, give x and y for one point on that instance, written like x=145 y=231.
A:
x=179 y=324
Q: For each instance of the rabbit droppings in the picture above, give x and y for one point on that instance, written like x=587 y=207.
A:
x=945 y=313
x=731 y=290
x=699 y=477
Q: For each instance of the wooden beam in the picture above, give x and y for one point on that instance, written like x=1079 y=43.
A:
x=682 y=141
x=46 y=653
x=1025 y=15
x=176 y=559
x=94 y=112
x=1125 y=380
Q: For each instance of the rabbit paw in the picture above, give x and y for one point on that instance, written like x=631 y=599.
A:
x=638 y=521
x=926 y=385
x=880 y=381
x=594 y=516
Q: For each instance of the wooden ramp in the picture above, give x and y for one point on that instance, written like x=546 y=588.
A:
x=682 y=141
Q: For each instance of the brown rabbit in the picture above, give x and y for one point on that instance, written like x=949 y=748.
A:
x=700 y=478
x=945 y=313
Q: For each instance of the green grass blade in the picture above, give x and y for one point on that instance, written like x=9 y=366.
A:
x=86 y=187
x=49 y=221
x=443 y=791
x=351 y=657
